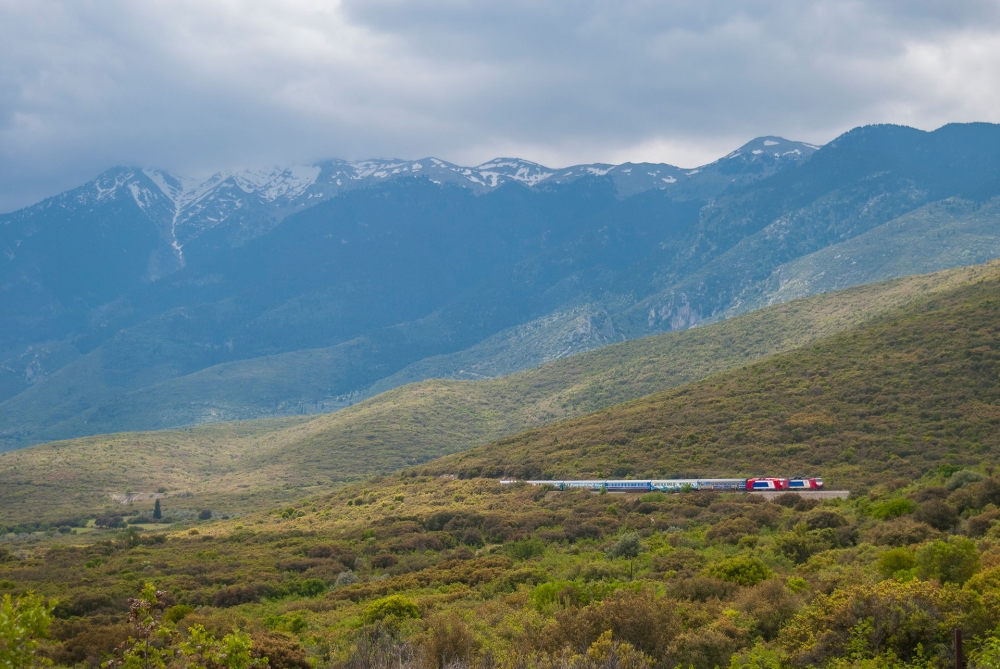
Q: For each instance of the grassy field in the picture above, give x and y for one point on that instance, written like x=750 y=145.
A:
x=238 y=467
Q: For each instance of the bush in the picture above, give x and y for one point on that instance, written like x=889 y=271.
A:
x=384 y=561
x=741 y=570
x=647 y=622
x=865 y=621
x=900 y=532
x=699 y=588
x=731 y=530
x=770 y=604
x=234 y=596
x=896 y=562
x=177 y=613
x=205 y=514
x=893 y=508
x=448 y=641
x=346 y=578
x=977 y=526
x=801 y=543
x=939 y=515
x=951 y=561
x=526 y=549
x=281 y=651
x=963 y=478
x=395 y=606
x=312 y=587
x=822 y=519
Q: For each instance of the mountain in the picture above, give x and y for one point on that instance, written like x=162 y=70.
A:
x=253 y=464
x=147 y=301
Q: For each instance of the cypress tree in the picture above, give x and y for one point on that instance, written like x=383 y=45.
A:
x=157 y=514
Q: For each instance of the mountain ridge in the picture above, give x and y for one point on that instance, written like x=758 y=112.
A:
x=383 y=277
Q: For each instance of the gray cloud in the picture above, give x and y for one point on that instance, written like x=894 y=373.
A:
x=195 y=86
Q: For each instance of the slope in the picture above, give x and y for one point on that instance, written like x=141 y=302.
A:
x=894 y=398
x=407 y=426
x=950 y=233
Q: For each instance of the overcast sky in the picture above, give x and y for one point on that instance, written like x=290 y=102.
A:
x=196 y=86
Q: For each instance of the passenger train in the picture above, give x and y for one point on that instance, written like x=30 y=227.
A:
x=676 y=485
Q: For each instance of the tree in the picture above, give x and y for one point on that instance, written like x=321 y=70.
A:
x=628 y=546
x=149 y=648
x=157 y=513
x=23 y=621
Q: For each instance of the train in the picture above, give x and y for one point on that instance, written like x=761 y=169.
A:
x=765 y=483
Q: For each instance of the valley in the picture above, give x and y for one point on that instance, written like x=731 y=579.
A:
x=250 y=465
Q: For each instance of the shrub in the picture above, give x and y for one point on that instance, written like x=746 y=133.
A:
x=699 y=588
x=770 y=604
x=605 y=652
x=939 y=515
x=865 y=621
x=963 y=478
x=647 y=622
x=312 y=587
x=346 y=578
x=801 y=543
x=951 y=561
x=448 y=641
x=900 y=532
x=281 y=651
x=731 y=530
x=741 y=570
x=177 y=613
x=526 y=549
x=896 y=562
x=787 y=499
x=234 y=596
x=822 y=519
x=893 y=508
x=384 y=561
x=205 y=514
x=395 y=606
x=978 y=525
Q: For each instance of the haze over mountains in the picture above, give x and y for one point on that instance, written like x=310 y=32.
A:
x=142 y=300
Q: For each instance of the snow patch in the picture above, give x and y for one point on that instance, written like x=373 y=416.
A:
x=770 y=142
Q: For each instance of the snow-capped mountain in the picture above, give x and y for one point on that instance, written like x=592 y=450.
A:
x=241 y=205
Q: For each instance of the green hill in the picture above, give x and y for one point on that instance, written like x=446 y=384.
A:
x=240 y=466
x=912 y=389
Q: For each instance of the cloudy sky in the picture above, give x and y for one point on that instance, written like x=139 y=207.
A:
x=196 y=86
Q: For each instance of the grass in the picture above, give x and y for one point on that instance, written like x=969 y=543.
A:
x=239 y=467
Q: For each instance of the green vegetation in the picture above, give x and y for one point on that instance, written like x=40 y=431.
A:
x=239 y=467
x=481 y=574
x=906 y=393
x=439 y=565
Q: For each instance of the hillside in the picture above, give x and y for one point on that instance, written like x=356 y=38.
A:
x=232 y=467
x=894 y=398
x=937 y=236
